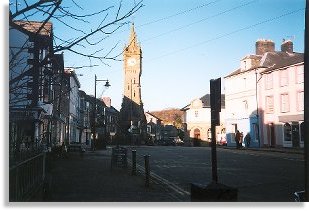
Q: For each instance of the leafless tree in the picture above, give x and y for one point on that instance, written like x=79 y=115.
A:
x=85 y=41
x=89 y=33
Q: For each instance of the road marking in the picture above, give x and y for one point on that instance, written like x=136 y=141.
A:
x=161 y=180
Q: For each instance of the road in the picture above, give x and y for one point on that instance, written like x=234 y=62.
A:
x=259 y=176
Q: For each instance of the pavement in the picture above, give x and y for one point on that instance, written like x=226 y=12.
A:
x=272 y=149
x=89 y=178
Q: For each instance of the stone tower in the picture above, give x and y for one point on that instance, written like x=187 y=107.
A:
x=132 y=112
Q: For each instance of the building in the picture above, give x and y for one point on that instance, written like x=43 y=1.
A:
x=154 y=127
x=281 y=98
x=61 y=91
x=30 y=87
x=84 y=118
x=112 y=121
x=74 y=126
x=197 y=118
x=247 y=97
x=132 y=112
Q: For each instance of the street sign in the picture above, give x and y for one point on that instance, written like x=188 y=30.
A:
x=215 y=100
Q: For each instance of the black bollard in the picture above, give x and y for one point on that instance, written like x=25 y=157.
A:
x=147 y=170
x=133 y=162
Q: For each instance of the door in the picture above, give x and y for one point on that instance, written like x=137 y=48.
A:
x=295 y=134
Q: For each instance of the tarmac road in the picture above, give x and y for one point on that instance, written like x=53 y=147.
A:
x=260 y=176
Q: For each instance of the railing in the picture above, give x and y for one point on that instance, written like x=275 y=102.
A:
x=27 y=178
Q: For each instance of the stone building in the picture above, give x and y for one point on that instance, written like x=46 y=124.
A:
x=132 y=113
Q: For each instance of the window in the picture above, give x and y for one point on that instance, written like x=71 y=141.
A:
x=300 y=101
x=284 y=77
x=269 y=104
x=269 y=81
x=285 y=106
x=299 y=74
x=196 y=113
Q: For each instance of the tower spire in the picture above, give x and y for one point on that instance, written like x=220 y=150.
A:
x=133 y=44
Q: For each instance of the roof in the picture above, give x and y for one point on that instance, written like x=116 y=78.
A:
x=34 y=26
x=274 y=60
x=206 y=102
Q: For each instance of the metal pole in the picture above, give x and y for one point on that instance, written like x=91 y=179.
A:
x=133 y=162
x=214 y=153
x=147 y=170
x=94 y=112
x=306 y=104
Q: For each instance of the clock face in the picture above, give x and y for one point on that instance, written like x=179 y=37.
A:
x=131 y=62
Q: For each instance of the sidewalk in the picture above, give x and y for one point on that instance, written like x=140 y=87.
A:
x=272 y=149
x=88 y=178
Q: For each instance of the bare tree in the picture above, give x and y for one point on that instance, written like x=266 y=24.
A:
x=32 y=77
x=85 y=41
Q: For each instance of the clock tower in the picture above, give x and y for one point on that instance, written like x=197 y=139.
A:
x=132 y=112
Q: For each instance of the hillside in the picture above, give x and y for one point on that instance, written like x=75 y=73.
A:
x=171 y=116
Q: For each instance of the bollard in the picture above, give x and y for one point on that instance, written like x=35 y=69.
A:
x=147 y=170
x=133 y=162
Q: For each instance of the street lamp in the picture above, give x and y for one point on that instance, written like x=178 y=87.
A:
x=107 y=85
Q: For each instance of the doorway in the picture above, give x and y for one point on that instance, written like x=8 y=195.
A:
x=295 y=134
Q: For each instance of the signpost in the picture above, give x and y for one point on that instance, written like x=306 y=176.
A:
x=214 y=191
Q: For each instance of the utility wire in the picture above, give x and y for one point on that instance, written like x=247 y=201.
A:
x=228 y=34
x=179 y=13
x=201 y=20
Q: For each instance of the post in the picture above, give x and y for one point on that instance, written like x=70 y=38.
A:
x=94 y=113
x=306 y=103
x=214 y=154
x=215 y=104
x=133 y=162
x=147 y=170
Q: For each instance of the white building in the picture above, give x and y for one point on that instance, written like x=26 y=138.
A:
x=197 y=118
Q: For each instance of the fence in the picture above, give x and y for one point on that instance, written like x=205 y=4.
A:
x=27 y=178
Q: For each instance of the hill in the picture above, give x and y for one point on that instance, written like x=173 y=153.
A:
x=170 y=116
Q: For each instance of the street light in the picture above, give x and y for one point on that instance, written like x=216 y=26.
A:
x=107 y=85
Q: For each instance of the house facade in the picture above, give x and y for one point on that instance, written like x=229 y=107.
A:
x=74 y=126
x=30 y=88
x=197 y=118
x=253 y=95
x=154 y=127
x=281 y=96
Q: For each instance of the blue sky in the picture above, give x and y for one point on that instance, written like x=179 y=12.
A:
x=186 y=43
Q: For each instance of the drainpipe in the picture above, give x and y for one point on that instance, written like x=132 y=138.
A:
x=257 y=107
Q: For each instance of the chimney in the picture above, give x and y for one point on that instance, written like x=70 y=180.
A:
x=107 y=101
x=262 y=46
x=287 y=46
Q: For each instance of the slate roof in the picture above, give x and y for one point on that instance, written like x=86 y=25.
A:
x=206 y=102
x=274 y=60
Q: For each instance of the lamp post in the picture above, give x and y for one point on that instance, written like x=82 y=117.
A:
x=95 y=109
